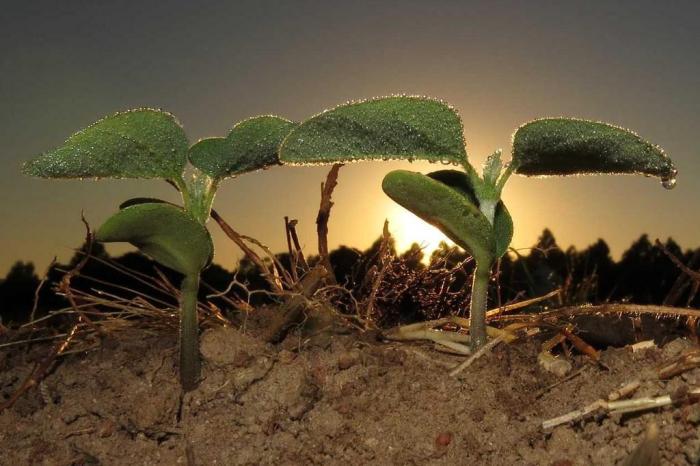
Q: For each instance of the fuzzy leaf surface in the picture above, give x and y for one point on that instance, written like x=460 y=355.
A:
x=448 y=209
x=386 y=128
x=164 y=232
x=252 y=144
x=142 y=143
x=564 y=146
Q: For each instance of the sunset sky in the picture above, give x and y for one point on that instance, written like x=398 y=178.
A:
x=64 y=64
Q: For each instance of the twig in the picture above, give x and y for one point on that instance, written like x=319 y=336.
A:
x=238 y=239
x=569 y=377
x=582 y=346
x=280 y=273
x=426 y=330
x=685 y=362
x=687 y=270
x=40 y=370
x=620 y=406
x=379 y=277
x=296 y=254
x=64 y=286
x=293 y=309
x=574 y=415
x=521 y=304
x=324 y=212
x=483 y=350
x=141 y=277
x=297 y=245
x=293 y=259
x=642 y=345
x=624 y=391
x=608 y=308
x=452 y=347
x=35 y=304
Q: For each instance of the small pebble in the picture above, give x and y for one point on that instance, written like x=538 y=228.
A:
x=443 y=439
x=693 y=415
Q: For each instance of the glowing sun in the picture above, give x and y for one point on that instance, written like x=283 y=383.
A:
x=407 y=229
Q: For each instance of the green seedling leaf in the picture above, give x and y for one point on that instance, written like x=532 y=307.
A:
x=446 y=208
x=162 y=231
x=252 y=144
x=209 y=155
x=143 y=200
x=502 y=230
x=563 y=146
x=143 y=143
x=502 y=223
x=492 y=167
x=385 y=128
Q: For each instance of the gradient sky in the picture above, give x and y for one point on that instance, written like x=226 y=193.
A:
x=64 y=64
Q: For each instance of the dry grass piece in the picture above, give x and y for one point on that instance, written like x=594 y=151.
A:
x=683 y=363
x=634 y=405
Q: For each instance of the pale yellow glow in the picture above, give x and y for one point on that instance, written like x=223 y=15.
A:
x=407 y=229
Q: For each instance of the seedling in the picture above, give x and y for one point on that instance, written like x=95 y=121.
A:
x=468 y=209
x=464 y=205
x=147 y=143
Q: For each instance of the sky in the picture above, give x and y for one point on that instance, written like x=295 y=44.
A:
x=63 y=65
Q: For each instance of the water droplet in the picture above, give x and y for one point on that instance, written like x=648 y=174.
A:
x=669 y=182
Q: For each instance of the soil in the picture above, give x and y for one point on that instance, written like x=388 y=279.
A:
x=331 y=399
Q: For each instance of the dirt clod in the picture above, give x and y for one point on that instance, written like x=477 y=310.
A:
x=348 y=359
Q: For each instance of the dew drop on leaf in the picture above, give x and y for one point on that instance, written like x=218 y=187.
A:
x=670 y=181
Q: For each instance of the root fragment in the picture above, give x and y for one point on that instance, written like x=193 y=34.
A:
x=618 y=406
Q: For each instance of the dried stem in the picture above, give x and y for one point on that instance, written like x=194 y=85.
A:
x=238 y=239
x=293 y=257
x=608 y=308
x=683 y=363
x=41 y=369
x=480 y=352
x=35 y=304
x=618 y=406
x=690 y=272
x=324 y=212
x=379 y=276
x=64 y=286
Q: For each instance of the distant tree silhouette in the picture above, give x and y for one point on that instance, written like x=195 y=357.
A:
x=547 y=264
x=411 y=291
x=645 y=275
x=413 y=257
x=17 y=292
x=345 y=261
x=592 y=273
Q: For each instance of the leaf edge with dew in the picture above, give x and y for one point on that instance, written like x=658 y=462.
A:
x=572 y=146
x=330 y=145
x=120 y=145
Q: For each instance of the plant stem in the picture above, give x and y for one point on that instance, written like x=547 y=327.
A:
x=510 y=168
x=477 y=310
x=189 y=333
x=202 y=189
